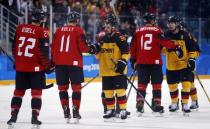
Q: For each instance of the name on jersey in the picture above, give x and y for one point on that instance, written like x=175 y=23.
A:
x=28 y=30
x=148 y=28
x=107 y=50
x=67 y=29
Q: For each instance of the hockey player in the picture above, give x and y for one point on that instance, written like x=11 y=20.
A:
x=67 y=47
x=145 y=51
x=30 y=52
x=179 y=69
x=112 y=63
x=193 y=90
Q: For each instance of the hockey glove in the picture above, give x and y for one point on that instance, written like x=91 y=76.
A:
x=133 y=63
x=120 y=66
x=95 y=48
x=178 y=51
x=191 y=64
x=50 y=69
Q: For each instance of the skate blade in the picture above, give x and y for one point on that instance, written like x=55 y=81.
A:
x=186 y=114
x=174 y=113
x=34 y=126
x=139 y=114
x=67 y=120
x=158 y=114
x=119 y=120
x=109 y=119
x=194 y=110
x=11 y=126
x=115 y=120
x=75 y=121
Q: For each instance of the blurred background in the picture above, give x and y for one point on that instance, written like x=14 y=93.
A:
x=195 y=14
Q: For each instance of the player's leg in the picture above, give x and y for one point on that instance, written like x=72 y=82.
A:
x=103 y=100
x=76 y=77
x=156 y=80
x=37 y=82
x=143 y=80
x=21 y=83
x=186 y=85
x=121 y=85
x=173 y=80
x=193 y=94
x=108 y=89
x=62 y=80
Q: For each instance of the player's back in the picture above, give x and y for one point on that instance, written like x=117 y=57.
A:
x=147 y=45
x=26 y=48
x=68 y=46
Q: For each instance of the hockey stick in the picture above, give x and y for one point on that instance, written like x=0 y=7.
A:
x=12 y=60
x=201 y=85
x=133 y=76
x=8 y=56
x=156 y=109
x=88 y=82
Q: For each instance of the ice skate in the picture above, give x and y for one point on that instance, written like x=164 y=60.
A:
x=109 y=115
x=158 y=110
x=185 y=109
x=194 y=105
x=67 y=114
x=35 y=123
x=173 y=108
x=11 y=122
x=76 y=115
x=140 y=108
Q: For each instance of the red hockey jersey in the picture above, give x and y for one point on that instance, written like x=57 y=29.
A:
x=68 y=45
x=31 y=48
x=146 y=45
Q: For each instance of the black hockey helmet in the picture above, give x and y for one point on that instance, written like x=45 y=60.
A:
x=73 y=16
x=38 y=15
x=149 y=17
x=111 y=19
x=174 y=19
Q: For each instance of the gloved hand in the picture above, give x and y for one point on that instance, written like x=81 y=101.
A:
x=178 y=51
x=95 y=48
x=120 y=66
x=191 y=64
x=51 y=68
x=133 y=63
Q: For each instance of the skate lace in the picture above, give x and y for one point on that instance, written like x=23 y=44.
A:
x=108 y=112
x=123 y=113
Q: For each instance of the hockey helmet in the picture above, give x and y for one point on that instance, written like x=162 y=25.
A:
x=73 y=16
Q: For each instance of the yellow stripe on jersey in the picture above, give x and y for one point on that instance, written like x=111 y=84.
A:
x=109 y=51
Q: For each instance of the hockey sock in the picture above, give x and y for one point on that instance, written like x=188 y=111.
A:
x=156 y=94
x=103 y=99
x=36 y=101
x=64 y=96
x=16 y=101
x=142 y=90
x=173 y=88
x=193 y=92
x=76 y=95
x=121 y=98
x=110 y=99
x=185 y=91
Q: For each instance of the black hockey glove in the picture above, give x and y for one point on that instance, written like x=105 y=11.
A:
x=120 y=66
x=133 y=63
x=191 y=64
x=95 y=48
x=178 y=51
x=51 y=68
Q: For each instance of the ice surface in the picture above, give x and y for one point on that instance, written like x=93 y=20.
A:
x=92 y=111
